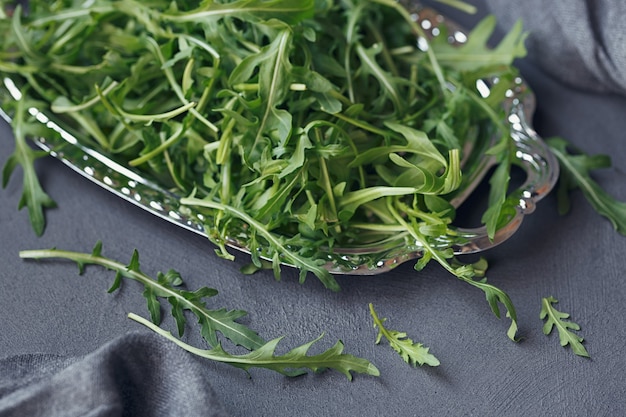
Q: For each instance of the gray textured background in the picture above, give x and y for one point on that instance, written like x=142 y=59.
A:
x=579 y=259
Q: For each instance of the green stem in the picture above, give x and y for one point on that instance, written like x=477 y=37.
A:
x=159 y=117
x=169 y=74
x=87 y=104
x=174 y=137
x=381 y=328
x=363 y=125
x=146 y=281
x=420 y=32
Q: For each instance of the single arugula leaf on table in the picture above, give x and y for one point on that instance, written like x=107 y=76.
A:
x=412 y=353
x=211 y=322
x=575 y=174
x=556 y=318
x=292 y=363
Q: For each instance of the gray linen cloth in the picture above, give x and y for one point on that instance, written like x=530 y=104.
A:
x=139 y=374
x=580 y=42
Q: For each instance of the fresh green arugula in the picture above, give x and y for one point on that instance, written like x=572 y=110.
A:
x=556 y=318
x=292 y=363
x=296 y=127
x=168 y=286
x=575 y=174
x=412 y=353
x=34 y=198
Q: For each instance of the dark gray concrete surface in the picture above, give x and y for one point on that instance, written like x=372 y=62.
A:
x=579 y=259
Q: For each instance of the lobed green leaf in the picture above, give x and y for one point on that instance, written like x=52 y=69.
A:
x=412 y=353
x=33 y=197
x=293 y=363
x=576 y=174
x=554 y=318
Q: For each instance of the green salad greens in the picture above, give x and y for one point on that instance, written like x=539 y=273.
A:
x=412 y=353
x=556 y=318
x=298 y=128
x=295 y=127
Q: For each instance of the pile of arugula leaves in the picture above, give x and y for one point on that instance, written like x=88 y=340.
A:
x=297 y=127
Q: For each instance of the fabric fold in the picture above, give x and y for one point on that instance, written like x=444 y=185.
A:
x=138 y=374
x=580 y=42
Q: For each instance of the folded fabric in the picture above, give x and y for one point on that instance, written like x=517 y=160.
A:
x=580 y=42
x=139 y=375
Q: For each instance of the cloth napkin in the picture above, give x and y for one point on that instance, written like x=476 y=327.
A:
x=138 y=375
x=580 y=42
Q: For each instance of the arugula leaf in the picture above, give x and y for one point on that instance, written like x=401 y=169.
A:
x=497 y=198
x=291 y=11
x=34 y=198
x=412 y=353
x=292 y=363
x=575 y=173
x=475 y=55
x=494 y=296
x=262 y=355
x=465 y=272
x=164 y=287
x=389 y=84
x=555 y=318
x=274 y=72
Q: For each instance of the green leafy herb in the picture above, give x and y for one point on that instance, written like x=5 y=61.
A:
x=575 y=174
x=33 y=195
x=475 y=55
x=412 y=353
x=292 y=120
x=555 y=318
x=211 y=321
x=291 y=363
x=465 y=272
